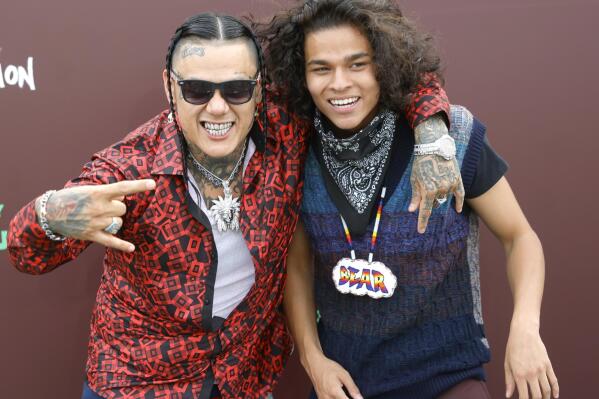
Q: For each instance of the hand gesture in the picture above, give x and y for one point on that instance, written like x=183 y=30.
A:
x=433 y=177
x=93 y=213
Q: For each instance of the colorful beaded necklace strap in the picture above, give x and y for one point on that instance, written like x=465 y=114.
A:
x=375 y=230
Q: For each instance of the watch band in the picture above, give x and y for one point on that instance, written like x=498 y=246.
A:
x=444 y=146
x=426 y=149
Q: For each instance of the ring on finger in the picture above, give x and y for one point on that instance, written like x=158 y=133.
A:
x=113 y=227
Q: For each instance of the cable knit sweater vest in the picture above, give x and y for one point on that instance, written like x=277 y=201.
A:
x=429 y=335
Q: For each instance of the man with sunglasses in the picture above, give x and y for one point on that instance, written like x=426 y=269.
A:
x=196 y=208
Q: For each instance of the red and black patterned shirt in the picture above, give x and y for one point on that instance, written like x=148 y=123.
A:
x=152 y=330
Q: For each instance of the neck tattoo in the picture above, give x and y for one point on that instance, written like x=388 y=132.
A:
x=225 y=211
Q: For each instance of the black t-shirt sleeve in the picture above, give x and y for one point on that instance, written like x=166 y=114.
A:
x=490 y=168
x=482 y=167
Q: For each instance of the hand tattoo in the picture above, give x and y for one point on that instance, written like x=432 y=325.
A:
x=433 y=176
x=434 y=173
x=63 y=212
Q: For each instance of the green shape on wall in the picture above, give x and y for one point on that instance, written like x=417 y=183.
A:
x=3 y=243
x=3 y=234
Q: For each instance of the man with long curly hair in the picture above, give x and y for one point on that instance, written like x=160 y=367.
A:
x=399 y=312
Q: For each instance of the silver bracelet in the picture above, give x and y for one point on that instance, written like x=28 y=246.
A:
x=43 y=221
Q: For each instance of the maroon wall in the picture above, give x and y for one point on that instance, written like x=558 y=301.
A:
x=527 y=68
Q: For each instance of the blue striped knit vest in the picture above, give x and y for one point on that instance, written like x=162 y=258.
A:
x=429 y=335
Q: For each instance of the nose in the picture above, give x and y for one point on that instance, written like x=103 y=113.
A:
x=340 y=80
x=217 y=104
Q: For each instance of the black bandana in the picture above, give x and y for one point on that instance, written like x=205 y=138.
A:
x=401 y=144
x=358 y=163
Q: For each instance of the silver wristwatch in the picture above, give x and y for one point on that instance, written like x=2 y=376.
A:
x=444 y=146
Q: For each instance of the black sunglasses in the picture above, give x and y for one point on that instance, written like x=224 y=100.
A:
x=199 y=92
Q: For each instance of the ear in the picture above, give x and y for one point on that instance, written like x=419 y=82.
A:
x=165 y=82
x=258 y=89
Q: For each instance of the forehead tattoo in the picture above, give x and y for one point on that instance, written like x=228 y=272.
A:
x=190 y=50
x=189 y=47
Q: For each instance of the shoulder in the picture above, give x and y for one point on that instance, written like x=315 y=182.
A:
x=283 y=123
x=461 y=122
x=465 y=128
x=134 y=154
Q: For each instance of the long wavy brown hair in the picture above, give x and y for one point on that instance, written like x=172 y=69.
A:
x=403 y=55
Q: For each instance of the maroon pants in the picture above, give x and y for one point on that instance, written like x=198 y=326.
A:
x=469 y=389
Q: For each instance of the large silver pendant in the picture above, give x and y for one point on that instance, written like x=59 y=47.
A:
x=225 y=211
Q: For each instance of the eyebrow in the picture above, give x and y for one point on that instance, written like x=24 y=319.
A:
x=348 y=58
x=250 y=77
x=175 y=74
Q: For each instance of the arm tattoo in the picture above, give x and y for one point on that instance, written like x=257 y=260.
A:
x=193 y=50
x=430 y=130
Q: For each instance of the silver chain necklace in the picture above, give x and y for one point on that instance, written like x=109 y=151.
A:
x=225 y=211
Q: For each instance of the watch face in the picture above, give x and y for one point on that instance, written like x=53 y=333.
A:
x=447 y=147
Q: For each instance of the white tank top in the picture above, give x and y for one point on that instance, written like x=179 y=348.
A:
x=235 y=269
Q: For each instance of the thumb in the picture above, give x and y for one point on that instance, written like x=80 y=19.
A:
x=350 y=386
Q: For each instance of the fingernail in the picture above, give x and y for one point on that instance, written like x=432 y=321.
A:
x=150 y=184
x=131 y=248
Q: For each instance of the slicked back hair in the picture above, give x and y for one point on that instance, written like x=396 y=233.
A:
x=212 y=26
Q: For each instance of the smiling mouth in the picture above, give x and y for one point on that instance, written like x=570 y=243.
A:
x=342 y=103
x=217 y=129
